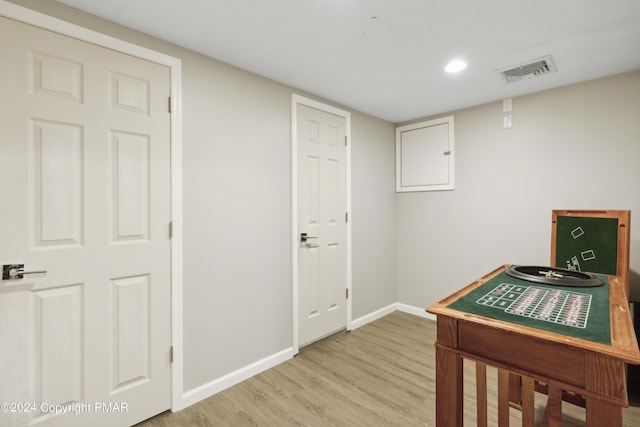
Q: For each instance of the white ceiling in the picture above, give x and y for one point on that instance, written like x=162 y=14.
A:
x=386 y=57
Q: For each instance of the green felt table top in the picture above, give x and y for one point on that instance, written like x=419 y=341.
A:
x=576 y=312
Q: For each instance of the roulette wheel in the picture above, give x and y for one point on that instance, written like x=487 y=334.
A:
x=554 y=276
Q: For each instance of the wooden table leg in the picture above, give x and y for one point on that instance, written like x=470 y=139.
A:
x=449 y=392
x=527 y=400
x=606 y=377
x=503 y=398
x=481 y=394
x=553 y=411
x=601 y=413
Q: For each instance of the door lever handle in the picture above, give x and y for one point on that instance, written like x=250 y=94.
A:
x=16 y=271
x=304 y=237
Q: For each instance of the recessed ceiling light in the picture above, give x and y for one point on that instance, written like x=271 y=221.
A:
x=455 y=66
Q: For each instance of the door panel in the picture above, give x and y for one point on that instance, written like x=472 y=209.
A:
x=57 y=178
x=85 y=146
x=322 y=264
x=130 y=180
x=57 y=329
x=129 y=299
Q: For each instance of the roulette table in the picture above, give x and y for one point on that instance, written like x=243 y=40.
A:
x=570 y=337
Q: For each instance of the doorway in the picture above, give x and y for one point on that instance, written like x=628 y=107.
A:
x=96 y=312
x=321 y=223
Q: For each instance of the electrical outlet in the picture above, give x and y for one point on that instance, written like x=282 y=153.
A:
x=507 y=105
x=506 y=122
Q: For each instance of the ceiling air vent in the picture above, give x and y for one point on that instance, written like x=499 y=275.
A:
x=530 y=70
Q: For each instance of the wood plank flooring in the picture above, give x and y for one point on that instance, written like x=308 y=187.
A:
x=381 y=374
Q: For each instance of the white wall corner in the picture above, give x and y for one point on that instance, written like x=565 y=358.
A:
x=416 y=311
x=361 y=321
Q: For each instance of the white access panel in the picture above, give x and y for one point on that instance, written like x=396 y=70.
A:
x=425 y=156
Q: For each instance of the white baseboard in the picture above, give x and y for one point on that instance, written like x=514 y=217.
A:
x=361 y=321
x=415 y=311
x=209 y=389
x=355 y=324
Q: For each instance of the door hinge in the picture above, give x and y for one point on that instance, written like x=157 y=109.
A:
x=345 y=140
x=171 y=354
x=346 y=217
x=169 y=104
x=170 y=230
x=347 y=293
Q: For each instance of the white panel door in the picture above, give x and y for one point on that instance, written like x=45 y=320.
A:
x=322 y=255
x=84 y=147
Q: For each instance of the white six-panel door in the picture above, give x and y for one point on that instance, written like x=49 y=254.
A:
x=85 y=175
x=322 y=257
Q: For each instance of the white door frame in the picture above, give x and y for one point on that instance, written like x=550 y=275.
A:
x=295 y=101
x=37 y=19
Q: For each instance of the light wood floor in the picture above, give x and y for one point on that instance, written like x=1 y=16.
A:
x=381 y=374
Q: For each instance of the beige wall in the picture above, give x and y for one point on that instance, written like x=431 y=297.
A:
x=237 y=209
x=373 y=205
x=576 y=147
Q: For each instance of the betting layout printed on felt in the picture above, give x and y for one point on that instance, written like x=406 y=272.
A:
x=550 y=305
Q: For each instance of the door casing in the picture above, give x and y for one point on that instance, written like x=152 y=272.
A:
x=295 y=101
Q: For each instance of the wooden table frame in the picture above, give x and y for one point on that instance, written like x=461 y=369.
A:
x=593 y=370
